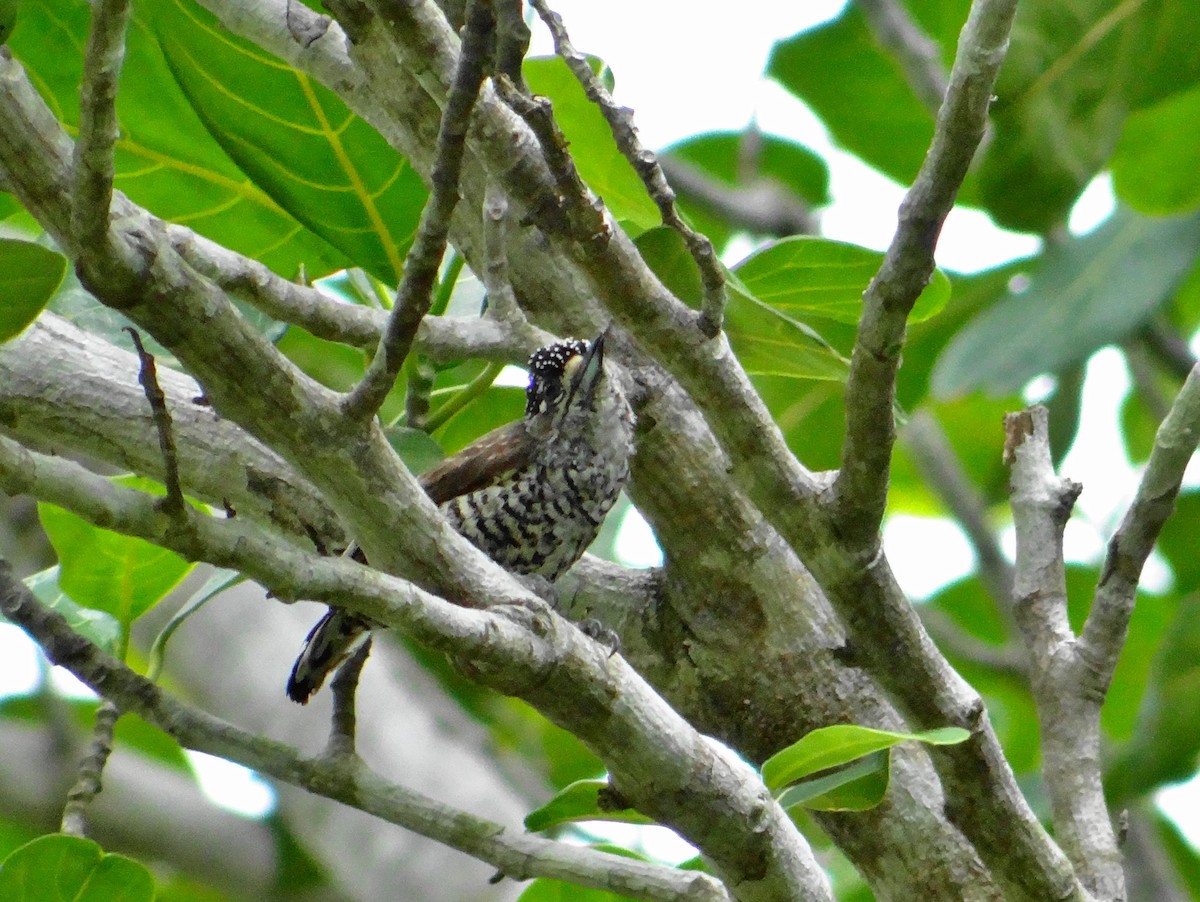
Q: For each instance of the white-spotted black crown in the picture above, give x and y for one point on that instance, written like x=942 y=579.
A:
x=546 y=368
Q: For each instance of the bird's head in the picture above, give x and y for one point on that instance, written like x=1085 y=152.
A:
x=562 y=376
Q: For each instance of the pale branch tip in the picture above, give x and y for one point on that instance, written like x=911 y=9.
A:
x=645 y=164
x=1066 y=696
x=415 y=294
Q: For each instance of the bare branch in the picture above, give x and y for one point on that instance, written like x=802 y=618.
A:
x=443 y=339
x=1104 y=633
x=344 y=778
x=645 y=163
x=912 y=48
x=91 y=200
x=861 y=490
x=344 y=687
x=91 y=768
x=415 y=294
x=667 y=769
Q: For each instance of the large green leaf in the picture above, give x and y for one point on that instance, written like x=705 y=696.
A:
x=600 y=163
x=8 y=18
x=808 y=277
x=793 y=165
x=120 y=575
x=1073 y=72
x=766 y=340
x=1086 y=293
x=29 y=276
x=165 y=158
x=1156 y=165
x=858 y=91
x=61 y=868
x=296 y=139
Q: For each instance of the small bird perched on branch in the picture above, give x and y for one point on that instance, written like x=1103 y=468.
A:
x=531 y=495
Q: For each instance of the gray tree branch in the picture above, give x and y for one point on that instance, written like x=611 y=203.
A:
x=341 y=777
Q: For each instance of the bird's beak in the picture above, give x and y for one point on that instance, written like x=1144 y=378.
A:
x=586 y=372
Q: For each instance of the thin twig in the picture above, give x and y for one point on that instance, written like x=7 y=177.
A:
x=148 y=377
x=91 y=769
x=957 y=642
x=415 y=294
x=763 y=206
x=860 y=494
x=1170 y=348
x=645 y=163
x=572 y=210
x=92 y=185
x=344 y=688
x=512 y=41
x=1104 y=632
x=917 y=54
x=345 y=778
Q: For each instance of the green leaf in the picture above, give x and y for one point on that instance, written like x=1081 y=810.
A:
x=1073 y=72
x=765 y=340
x=840 y=744
x=806 y=277
x=1156 y=164
x=859 y=786
x=579 y=802
x=59 y=867
x=296 y=139
x=417 y=449
x=601 y=164
x=1087 y=293
x=165 y=158
x=96 y=626
x=120 y=575
x=29 y=276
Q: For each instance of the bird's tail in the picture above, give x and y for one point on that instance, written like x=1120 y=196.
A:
x=335 y=637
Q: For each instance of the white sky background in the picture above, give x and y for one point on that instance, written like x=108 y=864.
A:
x=686 y=68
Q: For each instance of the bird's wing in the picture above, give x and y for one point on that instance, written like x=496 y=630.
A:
x=482 y=463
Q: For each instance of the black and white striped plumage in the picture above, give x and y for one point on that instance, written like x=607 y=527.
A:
x=531 y=495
